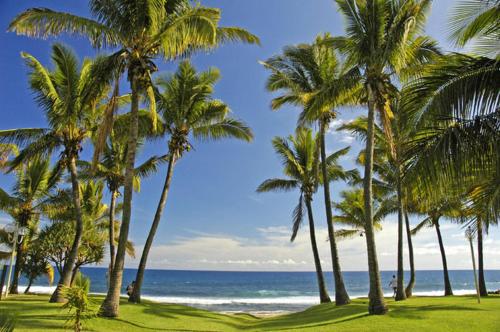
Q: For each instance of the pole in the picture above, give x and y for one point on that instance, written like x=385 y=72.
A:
x=2 y=279
x=14 y=245
x=474 y=267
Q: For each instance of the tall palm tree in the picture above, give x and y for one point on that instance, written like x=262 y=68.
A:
x=382 y=40
x=142 y=31
x=34 y=182
x=479 y=220
x=388 y=167
x=73 y=100
x=300 y=72
x=188 y=109
x=111 y=169
x=451 y=209
x=301 y=167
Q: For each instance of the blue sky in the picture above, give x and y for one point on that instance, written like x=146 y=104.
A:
x=214 y=219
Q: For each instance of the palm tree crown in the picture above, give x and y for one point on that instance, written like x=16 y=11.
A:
x=351 y=213
x=187 y=108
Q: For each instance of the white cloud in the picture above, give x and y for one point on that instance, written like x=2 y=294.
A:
x=335 y=124
x=272 y=250
x=341 y=136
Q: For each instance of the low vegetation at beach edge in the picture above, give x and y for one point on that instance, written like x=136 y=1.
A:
x=457 y=313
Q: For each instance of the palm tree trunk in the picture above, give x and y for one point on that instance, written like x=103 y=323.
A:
x=20 y=253
x=110 y=306
x=74 y=273
x=400 y=292
x=30 y=282
x=66 y=275
x=411 y=283
x=136 y=293
x=111 y=231
x=341 y=296
x=323 y=293
x=376 y=296
x=447 y=285
x=483 y=291
x=17 y=269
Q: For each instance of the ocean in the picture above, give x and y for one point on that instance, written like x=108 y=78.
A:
x=264 y=292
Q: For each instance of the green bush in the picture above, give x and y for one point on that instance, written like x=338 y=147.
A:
x=78 y=302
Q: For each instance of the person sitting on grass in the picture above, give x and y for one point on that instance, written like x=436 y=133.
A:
x=394 y=285
x=130 y=288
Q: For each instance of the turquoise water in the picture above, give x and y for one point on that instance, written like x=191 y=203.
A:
x=266 y=291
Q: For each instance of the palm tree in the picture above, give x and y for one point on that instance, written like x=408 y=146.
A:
x=300 y=72
x=478 y=219
x=142 y=31
x=388 y=167
x=352 y=213
x=458 y=118
x=382 y=42
x=188 y=109
x=111 y=169
x=451 y=209
x=72 y=100
x=301 y=166
x=34 y=182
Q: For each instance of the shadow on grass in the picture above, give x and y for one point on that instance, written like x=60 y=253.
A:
x=153 y=328
x=419 y=311
x=322 y=315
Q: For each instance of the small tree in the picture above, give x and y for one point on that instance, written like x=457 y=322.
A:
x=56 y=239
x=78 y=303
x=35 y=265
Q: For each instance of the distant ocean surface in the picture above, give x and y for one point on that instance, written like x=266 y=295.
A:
x=265 y=292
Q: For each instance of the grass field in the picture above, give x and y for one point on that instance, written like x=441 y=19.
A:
x=417 y=314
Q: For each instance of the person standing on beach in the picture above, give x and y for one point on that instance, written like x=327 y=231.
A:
x=394 y=285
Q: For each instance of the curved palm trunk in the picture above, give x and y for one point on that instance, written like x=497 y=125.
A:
x=483 y=291
x=111 y=233
x=136 y=293
x=110 y=306
x=376 y=296
x=17 y=269
x=400 y=292
x=447 y=285
x=30 y=282
x=411 y=283
x=66 y=275
x=341 y=296
x=323 y=293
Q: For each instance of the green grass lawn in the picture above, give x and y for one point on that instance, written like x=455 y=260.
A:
x=417 y=314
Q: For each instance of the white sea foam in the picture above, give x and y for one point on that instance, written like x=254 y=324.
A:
x=283 y=300
x=304 y=300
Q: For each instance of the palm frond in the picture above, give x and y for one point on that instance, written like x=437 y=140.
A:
x=427 y=222
x=150 y=166
x=22 y=136
x=297 y=217
x=44 y=23
x=236 y=34
x=345 y=234
x=277 y=185
x=476 y=20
